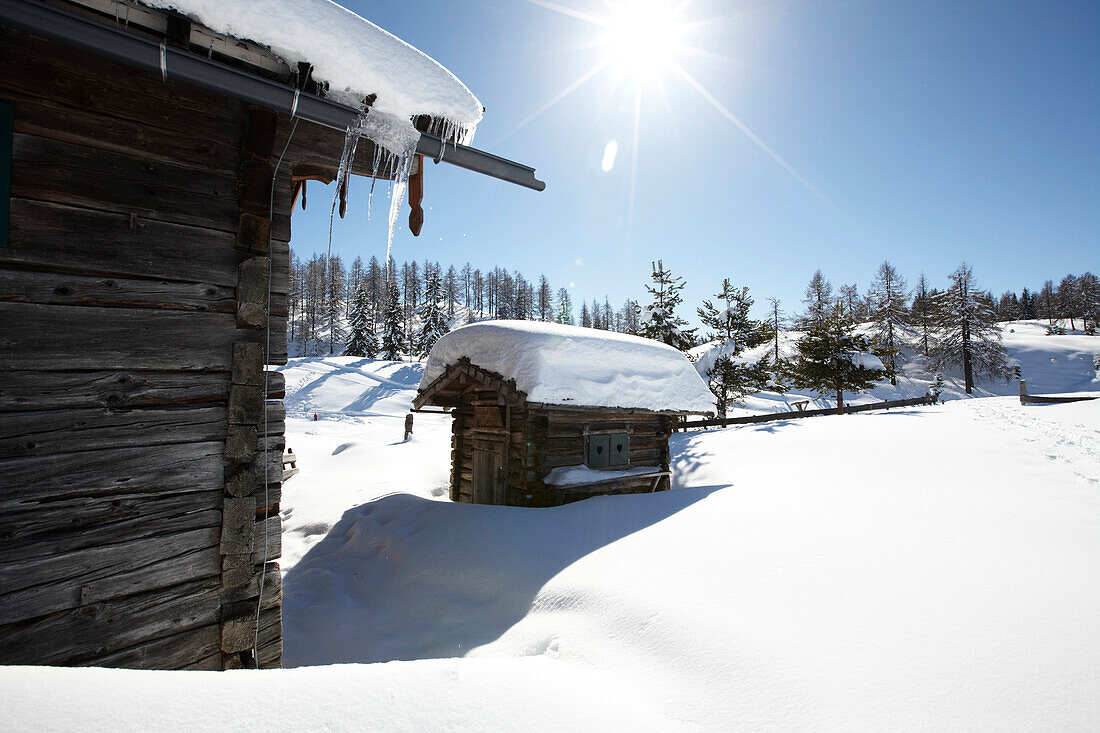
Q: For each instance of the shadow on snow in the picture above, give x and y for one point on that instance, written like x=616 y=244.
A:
x=403 y=577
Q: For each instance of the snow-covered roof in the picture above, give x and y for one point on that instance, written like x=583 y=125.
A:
x=355 y=57
x=573 y=366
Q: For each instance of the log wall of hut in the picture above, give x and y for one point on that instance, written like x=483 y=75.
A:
x=533 y=440
x=138 y=516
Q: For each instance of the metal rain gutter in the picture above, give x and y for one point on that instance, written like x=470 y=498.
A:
x=173 y=63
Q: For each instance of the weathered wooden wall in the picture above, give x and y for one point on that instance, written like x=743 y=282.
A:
x=537 y=440
x=134 y=508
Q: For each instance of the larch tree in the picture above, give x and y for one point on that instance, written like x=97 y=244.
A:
x=545 y=300
x=966 y=331
x=921 y=312
x=853 y=303
x=833 y=359
x=818 y=299
x=886 y=301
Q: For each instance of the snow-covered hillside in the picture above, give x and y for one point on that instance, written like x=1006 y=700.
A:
x=921 y=569
x=1050 y=364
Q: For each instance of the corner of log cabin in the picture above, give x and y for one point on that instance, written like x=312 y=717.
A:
x=140 y=454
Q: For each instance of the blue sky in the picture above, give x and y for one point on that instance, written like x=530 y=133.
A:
x=926 y=133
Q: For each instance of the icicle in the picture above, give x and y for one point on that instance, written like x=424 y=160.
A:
x=397 y=192
x=347 y=159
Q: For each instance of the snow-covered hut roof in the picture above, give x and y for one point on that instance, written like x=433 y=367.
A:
x=355 y=57
x=577 y=367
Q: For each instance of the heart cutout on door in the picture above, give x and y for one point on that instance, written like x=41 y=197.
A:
x=619 y=447
x=599 y=449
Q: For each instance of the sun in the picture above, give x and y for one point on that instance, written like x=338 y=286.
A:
x=642 y=38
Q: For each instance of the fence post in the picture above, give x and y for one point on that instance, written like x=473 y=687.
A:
x=1023 y=391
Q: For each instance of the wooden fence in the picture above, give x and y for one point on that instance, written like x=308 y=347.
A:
x=885 y=405
x=1036 y=399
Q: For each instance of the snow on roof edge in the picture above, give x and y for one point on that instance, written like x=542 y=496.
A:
x=576 y=368
x=354 y=56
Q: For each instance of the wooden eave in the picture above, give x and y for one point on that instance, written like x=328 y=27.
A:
x=447 y=389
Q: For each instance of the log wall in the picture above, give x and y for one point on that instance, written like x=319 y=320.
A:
x=138 y=515
x=535 y=440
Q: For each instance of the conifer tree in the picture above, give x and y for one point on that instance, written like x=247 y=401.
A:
x=1028 y=305
x=545 y=300
x=831 y=358
x=732 y=322
x=886 y=301
x=564 y=313
x=659 y=320
x=1068 y=300
x=855 y=305
x=818 y=299
x=921 y=313
x=433 y=326
x=361 y=339
x=450 y=290
x=393 y=322
x=729 y=378
x=335 y=291
x=967 y=334
x=586 y=317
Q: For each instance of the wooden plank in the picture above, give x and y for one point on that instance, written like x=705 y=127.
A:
x=27 y=482
x=73 y=239
x=67 y=173
x=145 y=631
x=79 y=79
x=23 y=286
x=29 y=390
x=57 y=337
x=200 y=148
x=67 y=431
x=39 y=586
x=73 y=524
x=272 y=531
x=270 y=639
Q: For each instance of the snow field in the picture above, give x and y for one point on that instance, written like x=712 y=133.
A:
x=926 y=568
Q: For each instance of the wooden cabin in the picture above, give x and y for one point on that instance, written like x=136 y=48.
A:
x=546 y=414
x=150 y=165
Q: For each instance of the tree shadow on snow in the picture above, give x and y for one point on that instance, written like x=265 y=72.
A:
x=404 y=577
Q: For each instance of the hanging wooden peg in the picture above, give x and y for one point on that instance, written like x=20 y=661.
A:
x=416 y=197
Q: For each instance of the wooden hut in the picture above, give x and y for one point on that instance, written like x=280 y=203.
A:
x=546 y=414
x=150 y=164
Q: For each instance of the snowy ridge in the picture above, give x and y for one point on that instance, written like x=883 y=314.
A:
x=355 y=57
x=1050 y=364
x=573 y=366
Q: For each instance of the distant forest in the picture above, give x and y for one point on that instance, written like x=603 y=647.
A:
x=322 y=296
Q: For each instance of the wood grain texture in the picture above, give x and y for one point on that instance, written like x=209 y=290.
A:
x=117 y=389
x=65 y=238
x=38 y=586
x=57 y=337
x=69 y=431
x=72 y=174
x=54 y=527
x=146 y=631
x=23 y=286
x=25 y=483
